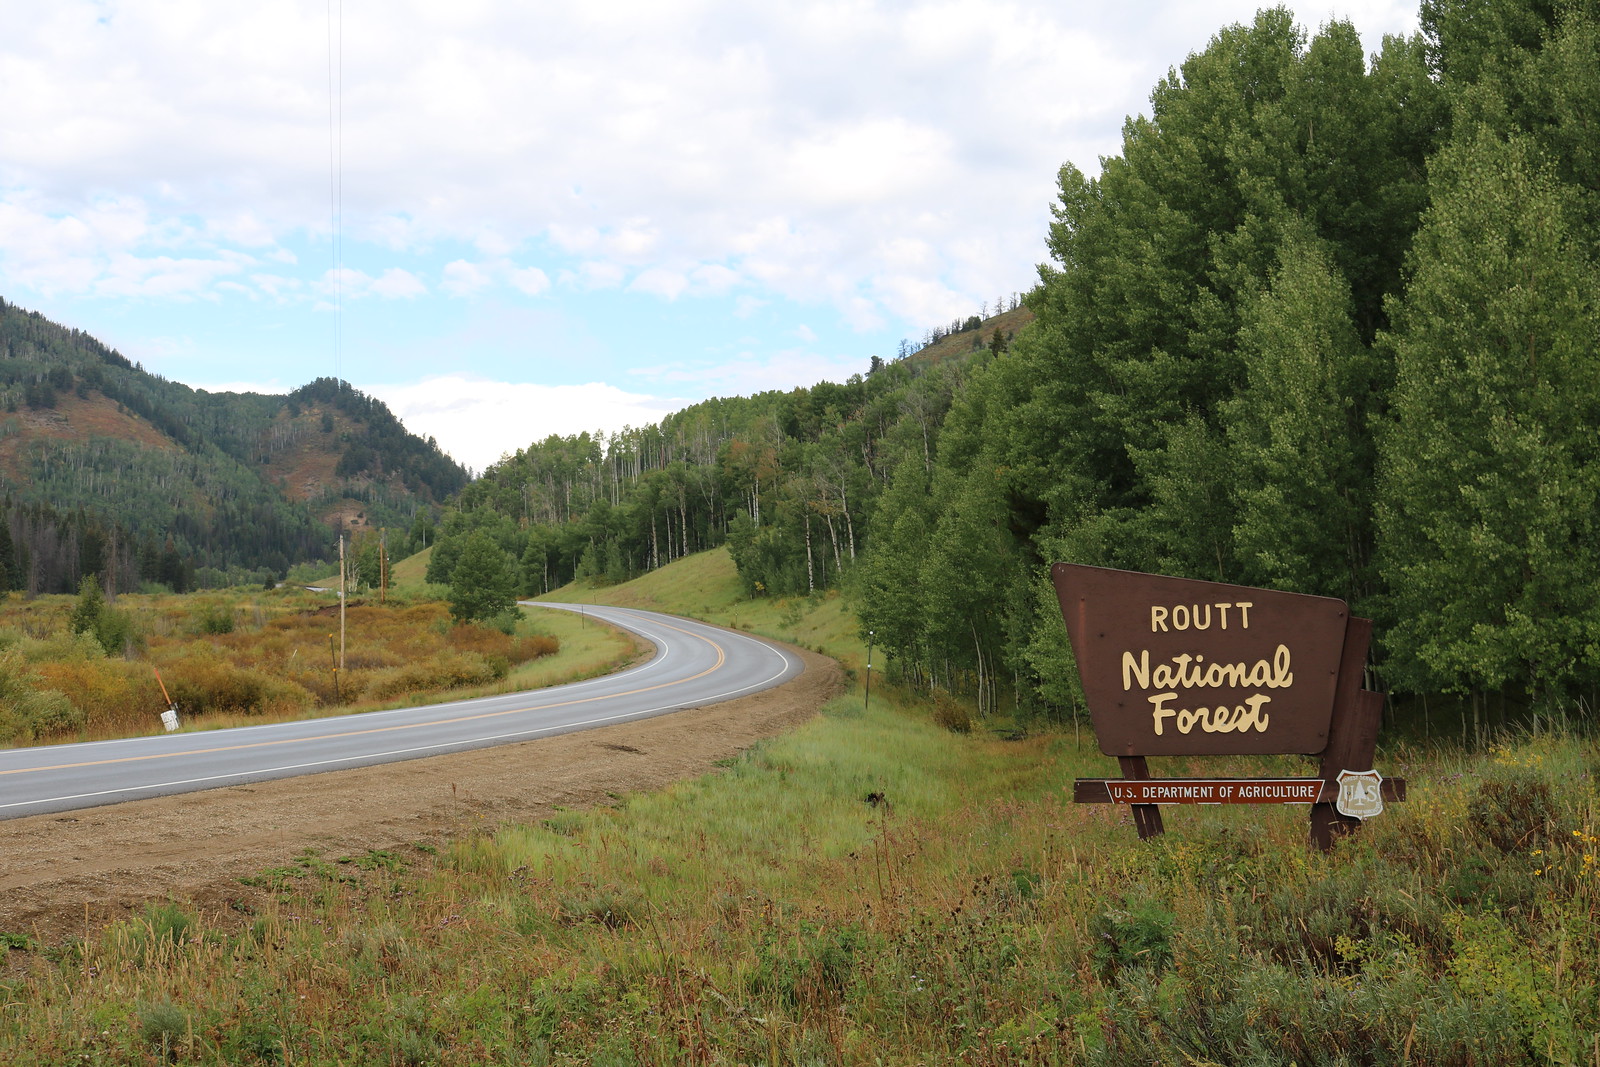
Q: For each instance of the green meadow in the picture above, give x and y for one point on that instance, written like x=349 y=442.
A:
x=877 y=888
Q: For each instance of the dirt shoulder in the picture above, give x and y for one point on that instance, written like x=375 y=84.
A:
x=64 y=875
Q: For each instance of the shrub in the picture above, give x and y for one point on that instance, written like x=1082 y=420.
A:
x=117 y=632
x=1512 y=809
x=951 y=714
x=201 y=684
x=484 y=640
x=490 y=641
x=1136 y=935
x=162 y=1026
x=105 y=690
x=214 y=617
x=27 y=711
x=113 y=630
x=444 y=671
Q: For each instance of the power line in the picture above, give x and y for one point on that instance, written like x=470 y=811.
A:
x=336 y=179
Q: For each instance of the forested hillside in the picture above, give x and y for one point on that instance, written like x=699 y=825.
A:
x=1327 y=324
x=788 y=480
x=109 y=470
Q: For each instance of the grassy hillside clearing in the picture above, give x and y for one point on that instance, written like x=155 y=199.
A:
x=408 y=573
x=874 y=889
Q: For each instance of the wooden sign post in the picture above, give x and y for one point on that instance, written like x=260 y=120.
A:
x=1177 y=667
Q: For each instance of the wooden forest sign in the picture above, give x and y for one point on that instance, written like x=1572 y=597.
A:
x=1176 y=667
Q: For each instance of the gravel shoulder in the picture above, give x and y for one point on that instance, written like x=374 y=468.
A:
x=67 y=875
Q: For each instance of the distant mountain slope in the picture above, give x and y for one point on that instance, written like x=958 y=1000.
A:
x=974 y=335
x=223 y=479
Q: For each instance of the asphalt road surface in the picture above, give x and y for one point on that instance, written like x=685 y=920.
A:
x=693 y=665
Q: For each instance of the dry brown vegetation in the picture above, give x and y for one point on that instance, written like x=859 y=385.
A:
x=76 y=418
x=221 y=657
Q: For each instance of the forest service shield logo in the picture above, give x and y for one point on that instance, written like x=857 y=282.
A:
x=1360 y=794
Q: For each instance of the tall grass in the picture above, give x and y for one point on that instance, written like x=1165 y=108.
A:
x=872 y=889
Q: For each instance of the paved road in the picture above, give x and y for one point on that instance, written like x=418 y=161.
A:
x=694 y=665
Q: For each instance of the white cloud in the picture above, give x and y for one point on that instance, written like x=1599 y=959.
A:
x=276 y=285
x=529 y=280
x=397 y=284
x=241 y=228
x=661 y=282
x=346 y=283
x=164 y=276
x=478 y=420
x=746 y=372
x=635 y=154
x=594 y=274
x=463 y=279
x=494 y=245
x=713 y=279
x=875 y=163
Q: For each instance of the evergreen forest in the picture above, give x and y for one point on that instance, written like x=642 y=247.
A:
x=1327 y=324
x=110 y=471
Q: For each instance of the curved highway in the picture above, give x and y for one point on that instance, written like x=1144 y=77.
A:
x=694 y=664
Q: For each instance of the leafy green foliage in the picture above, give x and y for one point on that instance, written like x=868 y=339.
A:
x=1491 y=483
x=112 y=629
x=483 y=581
x=1299 y=507
x=29 y=711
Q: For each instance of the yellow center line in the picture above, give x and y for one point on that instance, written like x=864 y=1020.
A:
x=721 y=658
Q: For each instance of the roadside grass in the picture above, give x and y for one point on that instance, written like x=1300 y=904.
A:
x=587 y=651
x=873 y=889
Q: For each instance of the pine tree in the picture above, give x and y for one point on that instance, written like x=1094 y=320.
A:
x=10 y=576
x=91 y=603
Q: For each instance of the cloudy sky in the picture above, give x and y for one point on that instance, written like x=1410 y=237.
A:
x=515 y=219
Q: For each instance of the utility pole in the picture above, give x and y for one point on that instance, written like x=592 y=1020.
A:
x=868 y=705
x=337 y=696
x=341 y=601
x=383 y=563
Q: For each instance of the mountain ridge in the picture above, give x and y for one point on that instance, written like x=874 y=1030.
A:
x=228 y=480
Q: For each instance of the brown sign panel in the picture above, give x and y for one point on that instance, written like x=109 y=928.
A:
x=1174 y=667
x=1215 y=790
x=1222 y=790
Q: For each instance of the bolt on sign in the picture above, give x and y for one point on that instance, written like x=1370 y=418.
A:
x=1177 y=667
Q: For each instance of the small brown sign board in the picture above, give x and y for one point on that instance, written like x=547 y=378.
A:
x=1218 y=791
x=1179 y=667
